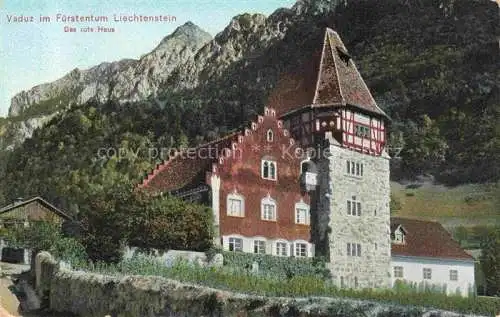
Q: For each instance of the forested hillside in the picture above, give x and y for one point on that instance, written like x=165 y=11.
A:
x=432 y=65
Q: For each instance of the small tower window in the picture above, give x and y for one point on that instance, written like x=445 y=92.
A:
x=270 y=135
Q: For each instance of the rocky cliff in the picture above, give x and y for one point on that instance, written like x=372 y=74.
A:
x=127 y=80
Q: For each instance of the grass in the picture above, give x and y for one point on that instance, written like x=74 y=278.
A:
x=467 y=205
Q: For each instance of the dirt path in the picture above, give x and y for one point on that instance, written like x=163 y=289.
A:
x=8 y=301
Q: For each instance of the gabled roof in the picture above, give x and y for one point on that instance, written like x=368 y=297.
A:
x=426 y=239
x=396 y=226
x=182 y=169
x=330 y=78
x=38 y=199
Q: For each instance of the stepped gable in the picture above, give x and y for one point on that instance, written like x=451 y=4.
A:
x=426 y=239
x=329 y=78
x=255 y=126
x=191 y=166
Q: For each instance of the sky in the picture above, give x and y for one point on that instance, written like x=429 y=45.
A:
x=32 y=53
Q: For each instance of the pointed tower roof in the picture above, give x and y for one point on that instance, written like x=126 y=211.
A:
x=329 y=79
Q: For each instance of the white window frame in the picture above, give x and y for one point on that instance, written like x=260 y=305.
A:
x=353 y=249
x=235 y=196
x=427 y=273
x=266 y=202
x=302 y=206
x=270 y=164
x=398 y=272
x=353 y=207
x=259 y=246
x=270 y=135
x=281 y=248
x=234 y=242
x=298 y=247
x=354 y=168
x=362 y=131
x=399 y=236
x=454 y=275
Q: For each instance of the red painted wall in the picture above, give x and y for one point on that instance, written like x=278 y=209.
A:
x=241 y=171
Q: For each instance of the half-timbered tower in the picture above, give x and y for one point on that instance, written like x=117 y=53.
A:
x=327 y=106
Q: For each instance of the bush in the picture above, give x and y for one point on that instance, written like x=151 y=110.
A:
x=168 y=223
x=47 y=236
x=413 y=186
x=395 y=204
x=281 y=267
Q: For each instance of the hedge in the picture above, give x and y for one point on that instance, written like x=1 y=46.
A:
x=281 y=267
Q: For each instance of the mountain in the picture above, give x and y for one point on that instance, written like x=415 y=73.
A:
x=126 y=80
x=432 y=65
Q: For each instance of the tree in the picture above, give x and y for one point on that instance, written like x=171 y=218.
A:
x=461 y=234
x=46 y=236
x=106 y=222
x=395 y=204
x=490 y=261
x=424 y=148
x=169 y=223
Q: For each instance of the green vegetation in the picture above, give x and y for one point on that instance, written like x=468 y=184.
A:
x=45 y=236
x=490 y=262
x=279 y=267
x=46 y=107
x=466 y=205
x=297 y=286
x=119 y=215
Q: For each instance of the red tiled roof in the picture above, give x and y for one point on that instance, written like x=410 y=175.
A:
x=426 y=239
x=187 y=167
x=326 y=79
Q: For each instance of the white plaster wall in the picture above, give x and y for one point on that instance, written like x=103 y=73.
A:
x=215 y=187
x=413 y=272
x=270 y=244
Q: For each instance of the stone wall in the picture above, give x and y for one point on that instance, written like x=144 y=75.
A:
x=91 y=295
x=370 y=229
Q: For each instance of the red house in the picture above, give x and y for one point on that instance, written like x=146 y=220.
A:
x=251 y=181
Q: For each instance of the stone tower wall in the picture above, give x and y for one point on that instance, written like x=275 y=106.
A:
x=371 y=229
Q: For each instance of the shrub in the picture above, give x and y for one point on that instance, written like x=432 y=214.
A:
x=47 y=236
x=281 y=267
x=395 y=204
x=413 y=186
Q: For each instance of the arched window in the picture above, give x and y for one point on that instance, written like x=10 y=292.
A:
x=235 y=205
x=302 y=213
x=269 y=169
x=270 y=135
x=268 y=209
